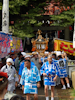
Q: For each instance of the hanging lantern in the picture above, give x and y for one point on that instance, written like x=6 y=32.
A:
x=12 y=22
x=68 y=8
x=70 y=28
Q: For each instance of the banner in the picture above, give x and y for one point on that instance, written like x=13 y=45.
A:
x=16 y=44
x=56 y=45
x=62 y=45
x=4 y=44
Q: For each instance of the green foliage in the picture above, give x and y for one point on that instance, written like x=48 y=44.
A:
x=73 y=92
x=64 y=19
x=25 y=14
x=66 y=2
x=0 y=5
x=22 y=33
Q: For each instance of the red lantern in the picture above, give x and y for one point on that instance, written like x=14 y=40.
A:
x=12 y=22
x=70 y=28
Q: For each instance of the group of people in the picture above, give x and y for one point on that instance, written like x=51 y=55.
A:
x=28 y=71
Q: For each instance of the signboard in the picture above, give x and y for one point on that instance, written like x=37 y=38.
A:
x=16 y=44
x=62 y=45
x=9 y=44
x=56 y=45
x=4 y=44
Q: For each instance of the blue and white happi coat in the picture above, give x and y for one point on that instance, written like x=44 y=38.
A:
x=49 y=69
x=43 y=60
x=62 y=63
x=29 y=79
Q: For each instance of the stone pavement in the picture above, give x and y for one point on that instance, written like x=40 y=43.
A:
x=41 y=95
x=59 y=94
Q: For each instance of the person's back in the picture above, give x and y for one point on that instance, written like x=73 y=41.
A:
x=63 y=71
x=62 y=63
x=17 y=61
x=36 y=62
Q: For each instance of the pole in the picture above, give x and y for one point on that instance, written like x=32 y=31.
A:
x=5 y=16
x=24 y=45
x=46 y=35
x=74 y=34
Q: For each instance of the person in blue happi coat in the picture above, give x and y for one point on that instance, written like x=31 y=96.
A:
x=54 y=59
x=50 y=72
x=44 y=59
x=63 y=71
x=22 y=65
x=30 y=79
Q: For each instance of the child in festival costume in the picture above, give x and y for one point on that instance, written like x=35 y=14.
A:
x=3 y=84
x=12 y=76
x=50 y=72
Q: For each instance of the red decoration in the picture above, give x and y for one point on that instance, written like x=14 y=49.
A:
x=3 y=74
x=70 y=28
x=12 y=22
x=33 y=49
x=58 y=34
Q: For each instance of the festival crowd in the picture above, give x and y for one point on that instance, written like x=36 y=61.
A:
x=29 y=71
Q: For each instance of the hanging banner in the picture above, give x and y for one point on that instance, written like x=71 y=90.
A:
x=62 y=45
x=56 y=45
x=4 y=44
x=16 y=44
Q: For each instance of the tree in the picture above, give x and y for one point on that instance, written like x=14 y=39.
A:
x=66 y=18
x=25 y=14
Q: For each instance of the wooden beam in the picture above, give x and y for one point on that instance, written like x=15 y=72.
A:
x=48 y=28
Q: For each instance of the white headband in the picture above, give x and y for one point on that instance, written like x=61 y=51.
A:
x=46 y=52
x=27 y=56
x=10 y=60
x=23 y=53
x=58 y=53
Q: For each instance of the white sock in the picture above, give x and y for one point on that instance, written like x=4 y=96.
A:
x=64 y=86
x=52 y=98
x=47 y=98
x=68 y=85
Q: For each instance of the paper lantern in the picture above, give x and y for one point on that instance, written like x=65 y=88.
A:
x=12 y=22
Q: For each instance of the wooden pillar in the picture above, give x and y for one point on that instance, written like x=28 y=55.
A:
x=67 y=33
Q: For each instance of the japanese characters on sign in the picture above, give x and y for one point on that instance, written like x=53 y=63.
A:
x=4 y=44
x=61 y=45
x=16 y=44
x=9 y=44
